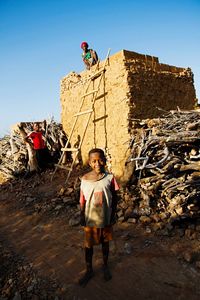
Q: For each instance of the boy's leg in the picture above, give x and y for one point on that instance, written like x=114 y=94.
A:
x=89 y=270
x=105 y=252
x=88 y=258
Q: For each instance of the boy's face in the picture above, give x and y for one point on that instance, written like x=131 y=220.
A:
x=36 y=127
x=97 y=162
x=84 y=47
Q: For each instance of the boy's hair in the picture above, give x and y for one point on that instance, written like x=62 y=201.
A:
x=97 y=150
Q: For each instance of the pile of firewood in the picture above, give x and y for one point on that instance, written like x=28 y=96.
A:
x=165 y=154
x=17 y=156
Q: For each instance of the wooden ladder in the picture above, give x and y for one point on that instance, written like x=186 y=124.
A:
x=97 y=74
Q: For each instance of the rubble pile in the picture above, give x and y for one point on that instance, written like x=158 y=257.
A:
x=43 y=198
x=19 y=281
x=14 y=153
x=165 y=185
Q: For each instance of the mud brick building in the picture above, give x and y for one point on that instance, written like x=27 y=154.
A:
x=134 y=86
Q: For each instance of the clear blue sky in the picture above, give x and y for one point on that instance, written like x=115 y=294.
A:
x=40 y=44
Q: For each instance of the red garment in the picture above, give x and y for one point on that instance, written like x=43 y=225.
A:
x=38 y=142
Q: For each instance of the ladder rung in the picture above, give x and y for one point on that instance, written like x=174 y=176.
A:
x=84 y=112
x=101 y=96
x=97 y=73
x=89 y=93
x=100 y=118
x=70 y=149
x=63 y=167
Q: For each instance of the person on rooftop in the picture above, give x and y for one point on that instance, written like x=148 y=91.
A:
x=89 y=56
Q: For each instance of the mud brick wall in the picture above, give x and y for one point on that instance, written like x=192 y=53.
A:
x=133 y=86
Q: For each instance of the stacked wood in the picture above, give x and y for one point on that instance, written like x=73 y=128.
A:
x=165 y=153
x=13 y=155
x=17 y=156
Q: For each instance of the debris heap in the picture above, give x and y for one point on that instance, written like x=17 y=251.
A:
x=14 y=154
x=165 y=185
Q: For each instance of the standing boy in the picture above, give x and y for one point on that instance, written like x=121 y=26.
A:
x=98 y=201
x=42 y=154
x=89 y=56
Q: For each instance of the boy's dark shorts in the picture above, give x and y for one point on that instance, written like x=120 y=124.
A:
x=96 y=236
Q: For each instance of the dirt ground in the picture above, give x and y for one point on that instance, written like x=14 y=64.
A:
x=42 y=257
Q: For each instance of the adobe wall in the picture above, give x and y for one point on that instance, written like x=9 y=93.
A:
x=133 y=86
x=156 y=87
x=108 y=125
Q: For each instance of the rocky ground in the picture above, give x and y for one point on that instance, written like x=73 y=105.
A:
x=42 y=257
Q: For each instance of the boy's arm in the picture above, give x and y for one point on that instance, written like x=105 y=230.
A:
x=82 y=208
x=94 y=55
x=115 y=198
x=82 y=216
x=114 y=206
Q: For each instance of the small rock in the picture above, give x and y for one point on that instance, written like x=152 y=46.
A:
x=55 y=200
x=127 y=248
x=163 y=216
x=126 y=197
x=145 y=211
x=145 y=220
x=120 y=214
x=74 y=222
x=148 y=229
x=61 y=191
x=155 y=218
x=123 y=205
x=126 y=235
x=132 y=220
x=68 y=200
x=188 y=256
x=121 y=219
x=157 y=226
x=136 y=212
x=30 y=199
x=69 y=191
x=30 y=288
x=58 y=207
x=128 y=213
x=112 y=247
x=179 y=211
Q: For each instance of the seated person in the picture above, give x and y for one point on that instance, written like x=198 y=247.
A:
x=89 y=56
